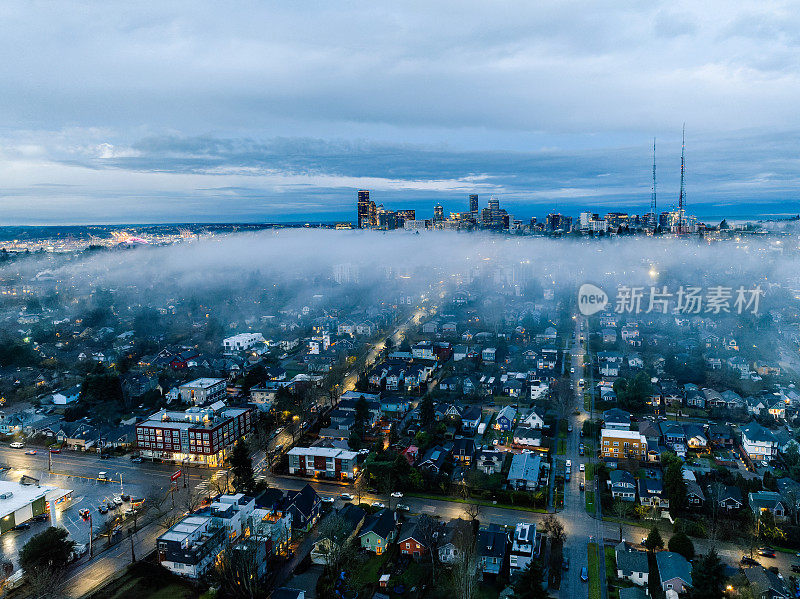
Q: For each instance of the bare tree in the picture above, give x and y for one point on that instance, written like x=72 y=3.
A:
x=431 y=532
x=620 y=510
x=472 y=510
x=554 y=529
x=464 y=575
x=334 y=532
x=45 y=583
x=238 y=570
x=359 y=487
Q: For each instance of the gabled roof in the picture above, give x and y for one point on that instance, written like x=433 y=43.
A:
x=631 y=561
x=673 y=565
x=618 y=477
x=303 y=500
x=757 y=433
x=492 y=543
x=381 y=523
x=765 y=581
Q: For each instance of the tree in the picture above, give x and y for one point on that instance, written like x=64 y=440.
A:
x=674 y=484
x=427 y=413
x=431 y=532
x=464 y=574
x=238 y=570
x=242 y=468
x=333 y=535
x=529 y=585
x=554 y=529
x=51 y=549
x=681 y=543
x=620 y=510
x=359 y=488
x=708 y=577
x=654 y=540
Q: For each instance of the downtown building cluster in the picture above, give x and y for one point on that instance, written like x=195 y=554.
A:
x=494 y=218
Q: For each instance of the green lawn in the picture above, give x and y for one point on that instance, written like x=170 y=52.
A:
x=367 y=573
x=611 y=574
x=562 y=447
x=590 y=502
x=589 y=472
x=594 y=572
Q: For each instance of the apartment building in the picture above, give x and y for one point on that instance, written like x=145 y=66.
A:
x=324 y=462
x=202 y=391
x=191 y=546
x=198 y=435
x=523 y=546
x=617 y=444
x=242 y=341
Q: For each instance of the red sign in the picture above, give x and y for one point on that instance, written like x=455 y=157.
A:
x=175 y=476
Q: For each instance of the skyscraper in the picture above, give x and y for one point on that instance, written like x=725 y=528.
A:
x=438 y=213
x=364 y=209
x=473 y=204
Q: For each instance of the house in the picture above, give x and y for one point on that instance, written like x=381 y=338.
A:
x=489 y=354
x=623 y=485
x=695 y=437
x=523 y=546
x=463 y=451
x=674 y=571
x=539 y=388
x=512 y=388
x=434 y=459
x=471 y=418
x=609 y=335
x=304 y=506
x=527 y=437
x=533 y=419
x=652 y=494
x=767 y=501
x=460 y=352
x=609 y=369
x=67 y=396
x=410 y=540
x=631 y=564
x=720 y=436
x=492 y=548
x=728 y=497
x=505 y=419
x=628 y=593
x=524 y=471
x=378 y=531
x=694 y=494
x=190 y=547
x=490 y=461
x=616 y=419
x=758 y=442
x=457 y=535
x=693 y=398
x=766 y=584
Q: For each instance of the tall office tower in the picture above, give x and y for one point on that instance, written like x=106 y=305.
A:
x=586 y=219
x=363 y=209
x=473 y=204
x=438 y=213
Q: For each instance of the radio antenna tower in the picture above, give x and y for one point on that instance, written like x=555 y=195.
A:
x=682 y=196
x=653 y=212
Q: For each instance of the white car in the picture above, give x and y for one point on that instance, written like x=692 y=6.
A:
x=403 y=507
x=582 y=468
x=328 y=500
x=569 y=464
x=346 y=496
x=378 y=504
x=17 y=445
x=397 y=494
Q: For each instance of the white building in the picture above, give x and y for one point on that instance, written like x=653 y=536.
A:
x=242 y=341
x=202 y=391
x=523 y=546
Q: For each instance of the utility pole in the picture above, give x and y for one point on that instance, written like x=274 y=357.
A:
x=133 y=553
x=49 y=460
x=91 y=534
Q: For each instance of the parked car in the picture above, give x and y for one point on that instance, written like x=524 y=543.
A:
x=137 y=460
x=403 y=507
x=41 y=518
x=30 y=452
x=346 y=496
x=22 y=526
x=328 y=500
x=397 y=494
x=117 y=499
x=378 y=504
x=584 y=574
x=582 y=468
x=102 y=509
x=766 y=552
x=583 y=487
x=748 y=561
x=105 y=456
x=796 y=568
x=16 y=445
x=84 y=514
x=56 y=450
x=569 y=428
x=102 y=475
x=565 y=564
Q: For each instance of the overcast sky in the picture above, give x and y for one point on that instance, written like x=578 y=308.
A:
x=262 y=111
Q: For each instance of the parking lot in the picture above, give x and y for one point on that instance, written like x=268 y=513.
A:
x=87 y=493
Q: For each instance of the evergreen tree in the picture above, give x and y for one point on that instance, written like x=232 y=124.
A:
x=654 y=540
x=708 y=578
x=50 y=549
x=427 y=413
x=242 y=468
x=529 y=585
x=681 y=543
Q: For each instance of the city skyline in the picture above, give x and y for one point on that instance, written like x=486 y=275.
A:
x=169 y=114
